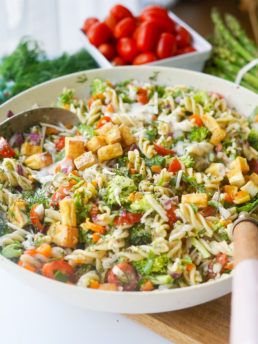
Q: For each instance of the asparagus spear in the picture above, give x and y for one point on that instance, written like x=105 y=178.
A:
x=240 y=34
x=227 y=36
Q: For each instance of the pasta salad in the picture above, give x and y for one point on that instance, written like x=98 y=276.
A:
x=140 y=195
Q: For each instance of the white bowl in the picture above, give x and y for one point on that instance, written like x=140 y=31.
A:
x=193 y=61
x=127 y=302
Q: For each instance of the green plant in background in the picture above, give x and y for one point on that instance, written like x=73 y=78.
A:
x=28 y=65
x=232 y=50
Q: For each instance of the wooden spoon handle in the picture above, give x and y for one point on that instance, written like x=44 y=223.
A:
x=245 y=241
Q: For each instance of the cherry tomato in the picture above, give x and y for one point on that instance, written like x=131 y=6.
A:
x=142 y=96
x=111 y=22
x=183 y=37
x=6 y=150
x=144 y=58
x=165 y=24
x=162 y=150
x=103 y=121
x=147 y=37
x=185 y=50
x=127 y=49
x=88 y=23
x=120 y=12
x=118 y=61
x=222 y=259
x=125 y=27
x=172 y=218
x=123 y=275
x=99 y=33
x=153 y=9
x=107 y=50
x=208 y=211
x=174 y=166
x=60 y=143
x=50 y=269
x=166 y=45
x=127 y=219
x=37 y=216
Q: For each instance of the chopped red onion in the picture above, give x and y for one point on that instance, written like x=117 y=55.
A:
x=20 y=170
x=16 y=140
x=34 y=138
x=9 y=114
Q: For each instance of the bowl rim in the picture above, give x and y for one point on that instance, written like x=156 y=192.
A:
x=151 y=69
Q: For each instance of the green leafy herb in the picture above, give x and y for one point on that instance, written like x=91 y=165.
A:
x=59 y=276
x=98 y=86
x=36 y=197
x=191 y=181
x=4 y=229
x=187 y=160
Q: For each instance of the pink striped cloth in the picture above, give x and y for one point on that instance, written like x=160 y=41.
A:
x=244 y=315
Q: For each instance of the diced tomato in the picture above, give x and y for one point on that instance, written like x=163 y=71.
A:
x=37 y=216
x=222 y=259
x=103 y=121
x=254 y=165
x=123 y=275
x=144 y=58
x=6 y=150
x=197 y=120
x=49 y=269
x=88 y=23
x=174 y=166
x=107 y=50
x=142 y=96
x=172 y=218
x=228 y=198
x=208 y=211
x=127 y=219
x=120 y=12
x=162 y=150
x=60 y=143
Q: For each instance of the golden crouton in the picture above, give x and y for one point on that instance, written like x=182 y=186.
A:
x=242 y=197
x=105 y=128
x=74 y=147
x=113 y=135
x=17 y=214
x=39 y=160
x=127 y=137
x=95 y=143
x=217 y=136
x=110 y=152
x=68 y=212
x=254 y=178
x=29 y=149
x=235 y=177
x=63 y=235
x=85 y=160
x=216 y=169
x=198 y=199
x=241 y=164
x=251 y=188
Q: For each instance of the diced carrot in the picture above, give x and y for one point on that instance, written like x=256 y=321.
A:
x=189 y=267
x=110 y=108
x=31 y=252
x=94 y=227
x=95 y=237
x=197 y=119
x=26 y=266
x=89 y=103
x=229 y=266
x=156 y=168
x=142 y=96
x=108 y=286
x=44 y=249
x=154 y=117
x=228 y=198
x=94 y=284
x=147 y=286
x=133 y=171
x=94 y=183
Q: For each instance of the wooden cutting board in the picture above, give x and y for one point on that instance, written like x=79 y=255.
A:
x=204 y=324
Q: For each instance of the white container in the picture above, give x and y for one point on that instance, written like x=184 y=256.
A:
x=194 y=61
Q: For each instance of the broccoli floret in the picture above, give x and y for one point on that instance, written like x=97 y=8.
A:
x=4 y=229
x=98 y=86
x=253 y=139
x=139 y=235
x=156 y=160
x=198 y=134
x=11 y=251
x=33 y=197
x=152 y=265
x=66 y=97
x=140 y=206
x=201 y=97
x=187 y=160
x=118 y=190
x=86 y=130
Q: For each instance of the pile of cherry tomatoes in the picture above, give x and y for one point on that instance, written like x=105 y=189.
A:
x=125 y=39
